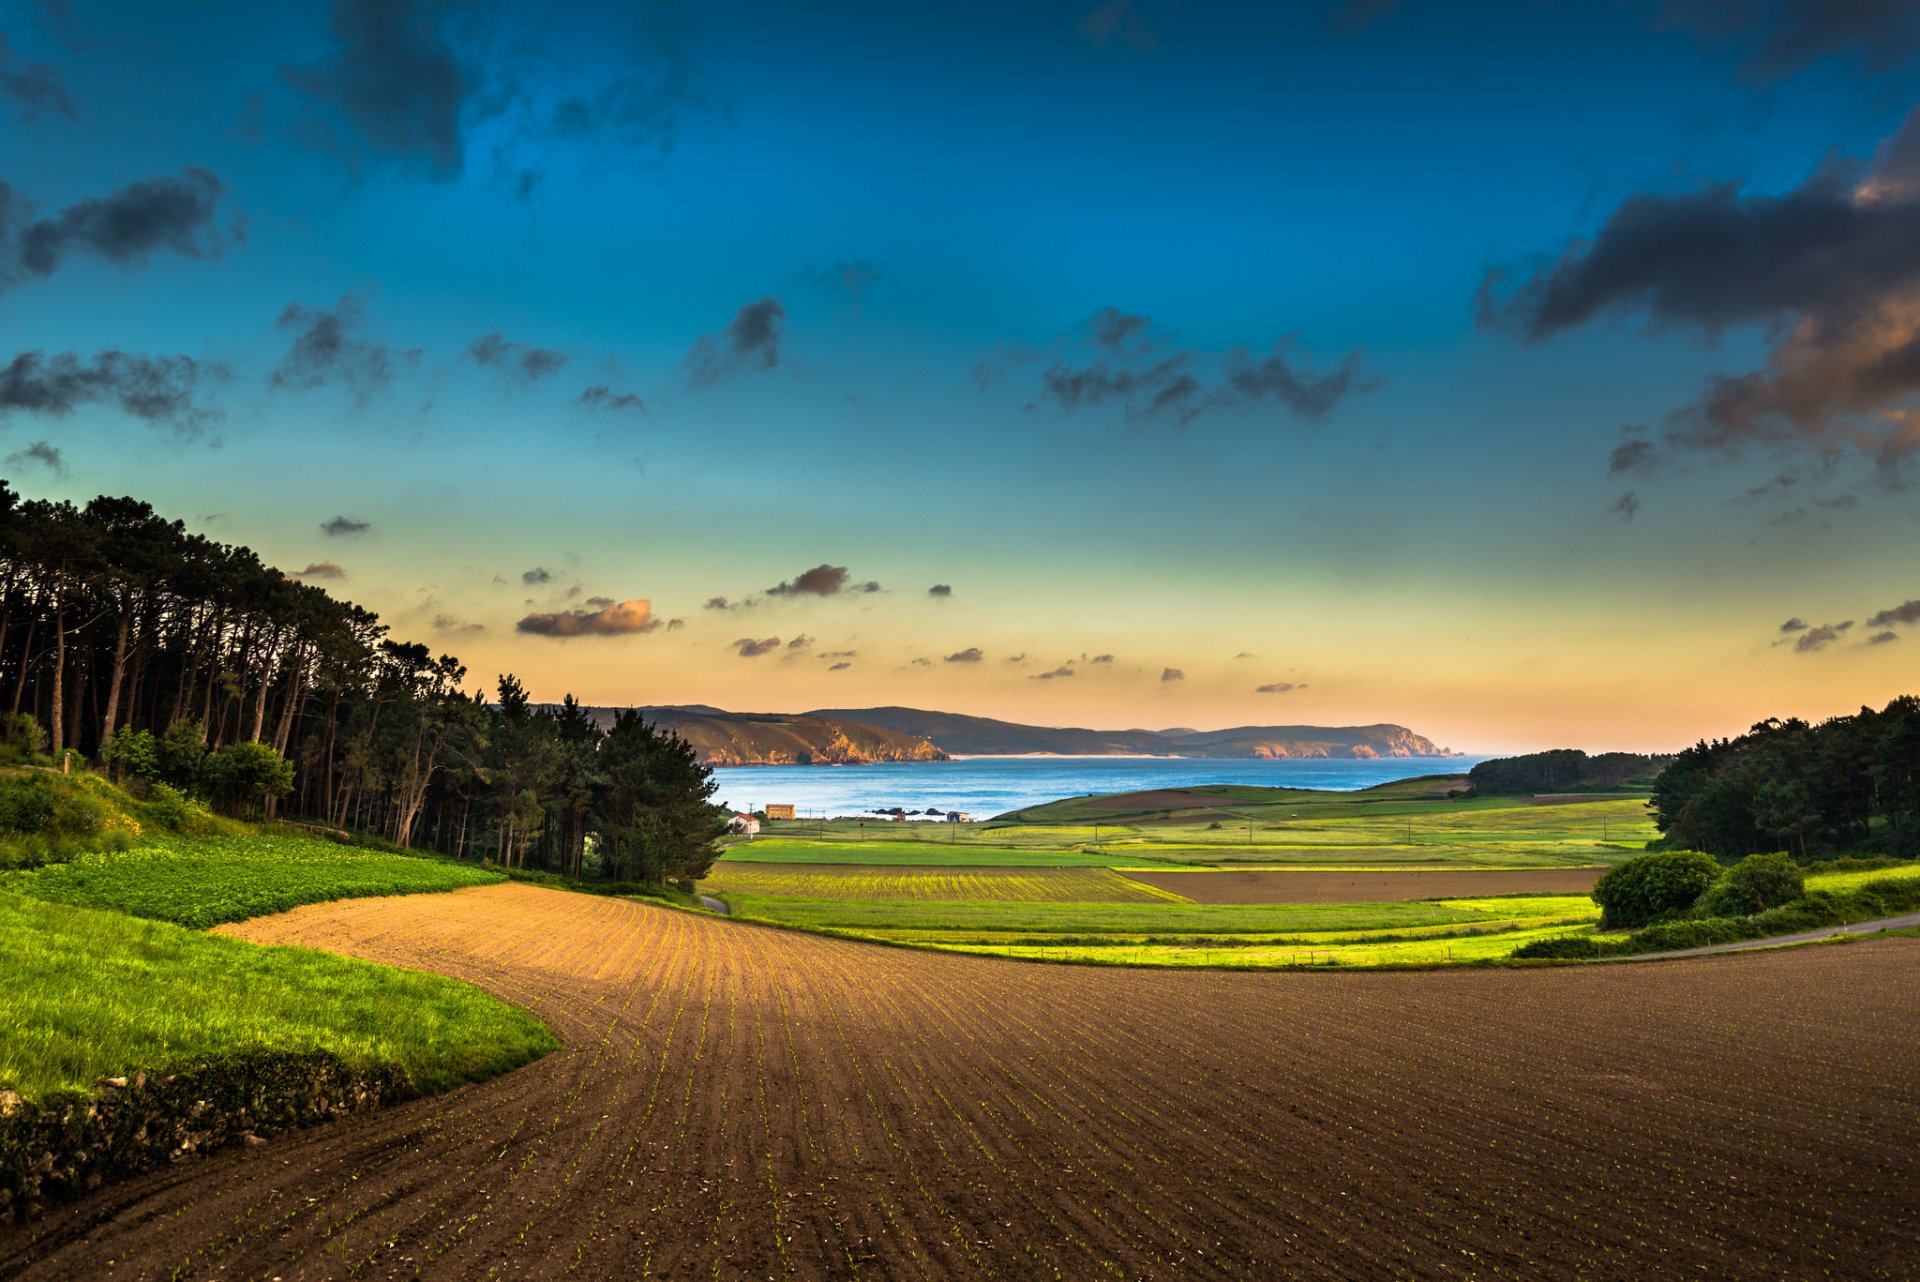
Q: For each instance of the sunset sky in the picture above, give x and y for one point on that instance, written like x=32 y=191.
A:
x=1530 y=374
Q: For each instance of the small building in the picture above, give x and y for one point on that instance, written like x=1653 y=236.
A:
x=743 y=824
x=959 y=817
x=779 y=810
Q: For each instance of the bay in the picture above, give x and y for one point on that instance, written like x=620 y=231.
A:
x=989 y=786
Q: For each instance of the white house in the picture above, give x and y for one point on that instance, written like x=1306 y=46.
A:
x=744 y=823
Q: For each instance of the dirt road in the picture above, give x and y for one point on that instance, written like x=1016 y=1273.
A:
x=739 y=1102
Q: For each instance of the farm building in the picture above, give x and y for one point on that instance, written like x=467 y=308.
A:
x=743 y=823
x=779 y=810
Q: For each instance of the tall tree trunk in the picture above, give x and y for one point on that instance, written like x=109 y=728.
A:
x=119 y=674
x=58 y=709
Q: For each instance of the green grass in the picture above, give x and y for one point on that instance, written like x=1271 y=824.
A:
x=1837 y=882
x=91 y=993
x=203 y=881
x=1141 y=919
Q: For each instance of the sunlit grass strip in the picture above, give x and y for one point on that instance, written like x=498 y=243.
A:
x=203 y=881
x=941 y=884
x=1480 y=947
x=91 y=993
x=1094 y=918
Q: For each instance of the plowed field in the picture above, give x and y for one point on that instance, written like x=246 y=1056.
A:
x=1285 y=886
x=740 y=1102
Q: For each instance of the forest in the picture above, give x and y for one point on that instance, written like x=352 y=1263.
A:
x=1848 y=784
x=173 y=660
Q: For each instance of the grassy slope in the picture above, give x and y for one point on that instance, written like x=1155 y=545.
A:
x=203 y=881
x=91 y=993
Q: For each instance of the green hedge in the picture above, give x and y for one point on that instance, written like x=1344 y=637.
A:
x=1820 y=909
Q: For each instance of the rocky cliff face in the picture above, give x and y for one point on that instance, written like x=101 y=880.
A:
x=743 y=739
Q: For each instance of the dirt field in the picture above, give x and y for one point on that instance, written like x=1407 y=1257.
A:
x=1284 y=886
x=739 y=1102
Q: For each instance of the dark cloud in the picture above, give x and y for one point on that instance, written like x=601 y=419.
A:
x=1054 y=675
x=394 y=81
x=1831 y=269
x=1905 y=612
x=529 y=363
x=321 y=570
x=748 y=648
x=1882 y=638
x=1015 y=659
x=537 y=575
x=674 y=625
x=1634 y=457
x=1278 y=687
x=923 y=663
x=751 y=341
x=940 y=589
x=1816 y=639
x=838 y=654
x=42 y=454
x=842 y=666
x=1118 y=20
x=870 y=585
x=451 y=623
x=1795 y=624
x=1275 y=376
x=32 y=89
x=125 y=228
x=611 y=619
x=1782 y=36
x=850 y=279
x=971 y=654
x=1171 y=674
x=1122 y=333
x=343 y=526
x=158 y=389
x=1627 y=506
x=801 y=642
x=1100 y=658
x=717 y=603
x=1148 y=379
x=605 y=398
x=821 y=580
x=325 y=348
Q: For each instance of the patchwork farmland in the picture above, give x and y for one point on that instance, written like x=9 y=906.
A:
x=739 y=1101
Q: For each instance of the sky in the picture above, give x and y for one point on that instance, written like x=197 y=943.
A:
x=1529 y=373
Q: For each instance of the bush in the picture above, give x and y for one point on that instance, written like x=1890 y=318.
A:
x=21 y=738
x=48 y=818
x=183 y=750
x=241 y=776
x=1753 y=885
x=132 y=752
x=1646 y=888
x=176 y=811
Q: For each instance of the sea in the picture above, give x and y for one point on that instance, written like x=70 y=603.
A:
x=987 y=786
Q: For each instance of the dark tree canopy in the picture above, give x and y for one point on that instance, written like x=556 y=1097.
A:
x=1848 y=784
x=174 y=659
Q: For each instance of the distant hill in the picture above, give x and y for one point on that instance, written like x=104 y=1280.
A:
x=983 y=736
x=779 y=739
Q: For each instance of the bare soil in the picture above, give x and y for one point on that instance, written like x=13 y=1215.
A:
x=1286 y=886
x=740 y=1102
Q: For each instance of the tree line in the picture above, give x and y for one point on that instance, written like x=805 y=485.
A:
x=169 y=657
x=1851 y=783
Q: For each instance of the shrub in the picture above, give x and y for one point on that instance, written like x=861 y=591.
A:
x=1646 y=888
x=1753 y=885
x=243 y=775
x=175 y=811
x=183 y=749
x=21 y=737
x=132 y=752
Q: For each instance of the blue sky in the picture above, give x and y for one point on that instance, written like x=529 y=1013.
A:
x=841 y=271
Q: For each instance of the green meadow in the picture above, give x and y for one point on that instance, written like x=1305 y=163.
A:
x=976 y=888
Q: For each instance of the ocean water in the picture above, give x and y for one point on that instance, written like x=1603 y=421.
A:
x=988 y=786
